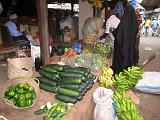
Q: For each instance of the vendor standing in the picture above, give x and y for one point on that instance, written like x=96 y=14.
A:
x=125 y=45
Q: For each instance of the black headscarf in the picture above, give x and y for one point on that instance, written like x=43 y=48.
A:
x=125 y=45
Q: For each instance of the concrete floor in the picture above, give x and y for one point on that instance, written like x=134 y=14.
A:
x=149 y=104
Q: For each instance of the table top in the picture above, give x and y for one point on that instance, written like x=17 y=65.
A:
x=82 y=110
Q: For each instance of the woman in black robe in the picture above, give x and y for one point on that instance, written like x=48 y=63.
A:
x=125 y=45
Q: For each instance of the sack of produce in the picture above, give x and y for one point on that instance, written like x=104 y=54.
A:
x=150 y=83
x=104 y=104
x=103 y=49
x=21 y=92
x=19 y=67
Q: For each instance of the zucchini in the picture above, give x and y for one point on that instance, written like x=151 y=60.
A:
x=70 y=74
x=65 y=98
x=89 y=86
x=40 y=111
x=48 y=88
x=80 y=98
x=70 y=86
x=68 y=92
x=51 y=76
x=83 y=69
x=83 y=92
x=48 y=69
x=46 y=118
x=47 y=81
x=56 y=67
x=77 y=70
x=71 y=80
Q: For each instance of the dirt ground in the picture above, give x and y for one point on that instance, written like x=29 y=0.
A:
x=149 y=103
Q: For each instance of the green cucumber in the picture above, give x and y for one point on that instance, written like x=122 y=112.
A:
x=70 y=86
x=50 y=112
x=70 y=74
x=65 y=98
x=68 y=92
x=83 y=69
x=83 y=92
x=48 y=88
x=48 y=69
x=40 y=111
x=47 y=81
x=71 y=80
x=77 y=70
x=51 y=76
x=55 y=67
x=80 y=98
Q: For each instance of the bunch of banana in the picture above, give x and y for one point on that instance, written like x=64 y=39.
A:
x=131 y=115
x=128 y=78
x=127 y=110
x=106 y=77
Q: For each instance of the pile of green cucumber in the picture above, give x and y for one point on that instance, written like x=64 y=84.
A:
x=54 y=111
x=69 y=83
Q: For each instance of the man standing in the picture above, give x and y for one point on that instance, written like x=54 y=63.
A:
x=147 y=25
x=154 y=26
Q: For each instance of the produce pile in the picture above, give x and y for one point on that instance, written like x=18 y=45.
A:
x=69 y=83
x=103 y=49
x=125 y=108
x=21 y=95
x=106 y=77
x=53 y=111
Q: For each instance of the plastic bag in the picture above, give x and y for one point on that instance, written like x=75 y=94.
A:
x=104 y=104
x=150 y=83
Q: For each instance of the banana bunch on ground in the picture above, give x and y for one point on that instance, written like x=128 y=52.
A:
x=125 y=108
x=106 y=77
x=128 y=78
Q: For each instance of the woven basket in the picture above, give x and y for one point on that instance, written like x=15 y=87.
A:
x=90 y=38
x=34 y=82
x=20 y=67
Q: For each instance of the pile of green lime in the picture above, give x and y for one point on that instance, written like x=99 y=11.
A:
x=21 y=95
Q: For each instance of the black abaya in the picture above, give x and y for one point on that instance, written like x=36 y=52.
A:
x=125 y=44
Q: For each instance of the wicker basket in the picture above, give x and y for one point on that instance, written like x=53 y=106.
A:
x=20 y=67
x=90 y=38
x=34 y=82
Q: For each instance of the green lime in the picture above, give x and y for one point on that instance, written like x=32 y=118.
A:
x=26 y=86
x=19 y=90
x=28 y=95
x=30 y=89
x=33 y=95
x=21 y=103
x=29 y=102
x=16 y=96
x=20 y=85
x=22 y=96
x=11 y=93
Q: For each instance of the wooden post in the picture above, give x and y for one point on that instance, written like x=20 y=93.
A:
x=72 y=6
x=42 y=13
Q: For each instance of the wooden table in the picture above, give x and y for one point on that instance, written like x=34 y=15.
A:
x=9 y=49
x=82 y=110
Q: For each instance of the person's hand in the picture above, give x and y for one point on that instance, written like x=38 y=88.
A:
x=111 y=29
